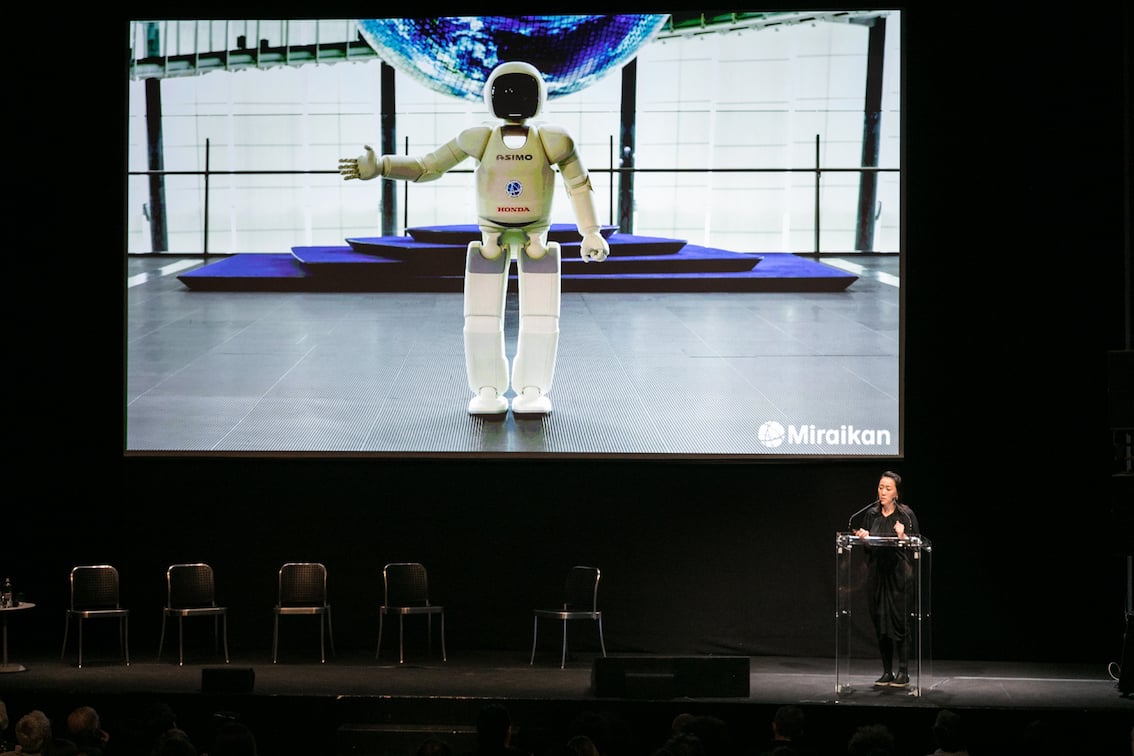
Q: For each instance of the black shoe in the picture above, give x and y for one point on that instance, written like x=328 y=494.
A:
x=884 y=680
x=901 y=681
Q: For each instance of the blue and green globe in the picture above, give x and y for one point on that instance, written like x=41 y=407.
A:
x=454 y=55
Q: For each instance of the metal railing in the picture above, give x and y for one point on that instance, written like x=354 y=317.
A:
x=156 y=46
x=817 y=170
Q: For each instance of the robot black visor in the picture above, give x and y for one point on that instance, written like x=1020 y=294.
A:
x=515 y=95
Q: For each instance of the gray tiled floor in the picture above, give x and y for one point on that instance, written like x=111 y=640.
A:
x=637 y=374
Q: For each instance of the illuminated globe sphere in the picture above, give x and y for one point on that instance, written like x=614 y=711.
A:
x=771 y=434
x=455 y=55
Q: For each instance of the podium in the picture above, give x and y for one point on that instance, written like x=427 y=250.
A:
x=857 y=664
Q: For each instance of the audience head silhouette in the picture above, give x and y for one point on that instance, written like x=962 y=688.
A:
x=174 y=742
x=712 y=732
x=84 y=728
x=494 y=731
x=682 y=744
x=582 y=745
x=872 y=740
x=787 y=724
x=947 y=732
x=233 y=739
x=433 y=746
x=33 y=733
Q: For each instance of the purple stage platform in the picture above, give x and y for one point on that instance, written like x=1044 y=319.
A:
x=433 y=259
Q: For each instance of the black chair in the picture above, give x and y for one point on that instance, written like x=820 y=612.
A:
x=191 y=592
x=303 y=591
x=580 y=602
x=94 y=595
x=406 y=592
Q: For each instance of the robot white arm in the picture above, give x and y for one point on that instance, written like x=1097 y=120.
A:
x=560 y=148
x=469 y=143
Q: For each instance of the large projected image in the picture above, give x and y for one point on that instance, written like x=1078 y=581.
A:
x=707 y=266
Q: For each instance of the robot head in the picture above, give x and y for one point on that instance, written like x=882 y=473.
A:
x=515 y=91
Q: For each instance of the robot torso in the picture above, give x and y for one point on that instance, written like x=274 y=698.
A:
x=514 y=186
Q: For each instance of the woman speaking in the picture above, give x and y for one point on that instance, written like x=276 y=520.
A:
x=890 y=578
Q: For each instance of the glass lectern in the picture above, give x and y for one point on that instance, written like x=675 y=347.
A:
x=856 y=648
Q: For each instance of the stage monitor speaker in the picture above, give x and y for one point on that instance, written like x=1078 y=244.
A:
x=227 y=679
x=662 y=677
x=1126 y=670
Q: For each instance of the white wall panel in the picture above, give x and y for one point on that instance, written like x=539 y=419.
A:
x=753 y=99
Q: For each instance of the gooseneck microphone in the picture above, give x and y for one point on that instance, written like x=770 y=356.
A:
x=850 y=520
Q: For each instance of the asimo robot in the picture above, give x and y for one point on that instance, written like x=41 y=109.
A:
x=514 y=188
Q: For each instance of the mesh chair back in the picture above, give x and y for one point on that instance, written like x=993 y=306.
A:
x=190 y=586
x=94 y=587
x=581 y=590
x=303 y=584
x=407 y=584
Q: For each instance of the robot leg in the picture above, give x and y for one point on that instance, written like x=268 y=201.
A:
x=486 y=282
x=534 y=365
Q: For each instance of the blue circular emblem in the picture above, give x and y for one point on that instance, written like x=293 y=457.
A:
x=514 y=188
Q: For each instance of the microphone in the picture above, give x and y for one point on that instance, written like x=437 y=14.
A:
x=856 y=514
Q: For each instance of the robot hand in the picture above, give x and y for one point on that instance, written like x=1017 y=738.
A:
x=366 y=166
x=594 y=247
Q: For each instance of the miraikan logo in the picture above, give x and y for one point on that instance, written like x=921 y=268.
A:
x=772 y=434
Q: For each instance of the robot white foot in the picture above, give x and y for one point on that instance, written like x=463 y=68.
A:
x=488 y=402
x=531 y=402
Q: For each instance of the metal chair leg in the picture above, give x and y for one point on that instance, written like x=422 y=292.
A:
x=161 y=638
x=535 y=634
x=563 y=659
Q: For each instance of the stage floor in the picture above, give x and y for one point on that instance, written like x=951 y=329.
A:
x=775 y=680
x=637 y=374
x=357 y=705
